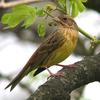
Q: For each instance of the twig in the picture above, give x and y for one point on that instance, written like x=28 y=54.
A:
x=85 y=33
x=93 y=39
x=54 y=18
x=14 y=3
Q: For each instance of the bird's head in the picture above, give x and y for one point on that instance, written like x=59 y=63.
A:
x=67 y=21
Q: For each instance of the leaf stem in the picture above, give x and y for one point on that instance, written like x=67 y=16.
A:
x=48 y=14
x=92 y=38
x=85 y=33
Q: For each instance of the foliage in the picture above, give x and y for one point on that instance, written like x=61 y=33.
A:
x=41 y=28
x=73 y=7
x=26 y=14
x=18 y=14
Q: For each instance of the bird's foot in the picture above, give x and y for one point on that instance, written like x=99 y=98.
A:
x=54 y=75
x=66 y=66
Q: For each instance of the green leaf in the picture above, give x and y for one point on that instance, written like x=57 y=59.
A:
x=83 y=0
x=6 y=18
x=15 y=20
x=30 y=18
x=28 y=22
x=40 y=12
x=80 y=5
x=74 y=9
x=62 y=4
x=49 y=7
x=11 y=19
x=21 y=9
x=20 y=13
x=41 y=28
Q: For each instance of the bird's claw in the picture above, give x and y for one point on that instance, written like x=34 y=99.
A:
x=55 y=75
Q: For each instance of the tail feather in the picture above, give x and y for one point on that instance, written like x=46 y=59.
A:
x=18 y=78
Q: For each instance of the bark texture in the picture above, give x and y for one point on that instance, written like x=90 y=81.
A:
x=59 y=88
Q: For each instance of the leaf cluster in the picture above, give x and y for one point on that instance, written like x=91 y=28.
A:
x=27 y=14
x=72 y=7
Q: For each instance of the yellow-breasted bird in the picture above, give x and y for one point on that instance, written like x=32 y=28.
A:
x=54 y=49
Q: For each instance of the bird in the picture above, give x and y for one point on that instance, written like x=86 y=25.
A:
x=53 y=50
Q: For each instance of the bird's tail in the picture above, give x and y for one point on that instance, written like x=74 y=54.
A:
x=19 y=77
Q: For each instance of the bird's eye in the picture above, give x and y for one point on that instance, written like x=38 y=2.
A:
x=64 y=18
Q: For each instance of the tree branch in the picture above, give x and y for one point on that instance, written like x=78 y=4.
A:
x=59 y=88
x=96 y=41
x=14 y=3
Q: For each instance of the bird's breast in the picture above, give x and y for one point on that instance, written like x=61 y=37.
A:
x=64 y=50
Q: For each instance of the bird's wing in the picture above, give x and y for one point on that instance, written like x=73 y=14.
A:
x=46 y=48
x=51 y=43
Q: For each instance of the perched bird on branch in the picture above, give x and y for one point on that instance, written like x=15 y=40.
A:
x=54 y=49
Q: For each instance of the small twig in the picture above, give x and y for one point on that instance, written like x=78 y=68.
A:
x=85 y=33
x=59 y=9
x=54 y=18
x=93 y=39
x=14 y=3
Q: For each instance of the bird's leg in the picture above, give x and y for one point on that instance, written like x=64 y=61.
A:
x=49 y=72
x=66 y=66
x=53 y=75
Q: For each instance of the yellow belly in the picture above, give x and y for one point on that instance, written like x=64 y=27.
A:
x=59 y=54
x=62 y=52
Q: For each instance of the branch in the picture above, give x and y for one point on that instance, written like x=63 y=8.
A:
x=93 y=39
x=14 y=3
x=59 y=88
